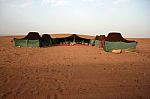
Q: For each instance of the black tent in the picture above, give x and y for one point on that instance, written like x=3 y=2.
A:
x=46 y=40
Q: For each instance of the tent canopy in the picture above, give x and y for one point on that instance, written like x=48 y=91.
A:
x=33 y=36
x=116 y=37
x=60 y=38
x=69 y=35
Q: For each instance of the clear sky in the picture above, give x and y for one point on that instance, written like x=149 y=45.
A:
x=93 y=17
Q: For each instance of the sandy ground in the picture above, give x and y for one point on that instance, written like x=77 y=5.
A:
x=73 y=72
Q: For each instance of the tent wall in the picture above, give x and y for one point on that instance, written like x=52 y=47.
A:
x=92 y=42
x=109 y=46
x=33 y=43
x=46 y=42
x=97 y=43
x=27 y=43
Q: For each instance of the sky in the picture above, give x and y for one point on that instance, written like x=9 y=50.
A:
x=90 y=17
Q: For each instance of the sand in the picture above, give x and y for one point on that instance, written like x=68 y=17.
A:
x=73 y=72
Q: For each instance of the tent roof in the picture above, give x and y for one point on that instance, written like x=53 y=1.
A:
x=32 y=36
x=46 y=36
x=116 y=37
x=69 y=35
x=60 y=35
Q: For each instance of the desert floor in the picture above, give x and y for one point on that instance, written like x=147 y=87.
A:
x=73 y=72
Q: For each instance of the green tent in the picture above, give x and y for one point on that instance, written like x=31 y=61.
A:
x=27 y=43
x=116 y=41
x=46 y=40
x=109 y=46
x=92 y=42
x=97 y=43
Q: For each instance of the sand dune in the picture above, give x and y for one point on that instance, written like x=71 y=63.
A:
x=73 y=72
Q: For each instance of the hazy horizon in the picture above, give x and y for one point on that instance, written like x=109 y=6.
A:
x=89 y=17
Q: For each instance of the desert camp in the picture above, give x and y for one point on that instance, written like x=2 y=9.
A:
x=113 y=41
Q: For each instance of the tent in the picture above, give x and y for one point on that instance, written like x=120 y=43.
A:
x=92 y=42
x=102 y=41
x=31 y=40
x=116 y=41
x=46 y=40
x=69 y=38
x=99 y=41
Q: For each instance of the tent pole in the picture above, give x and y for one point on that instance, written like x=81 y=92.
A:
x=83 y=41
